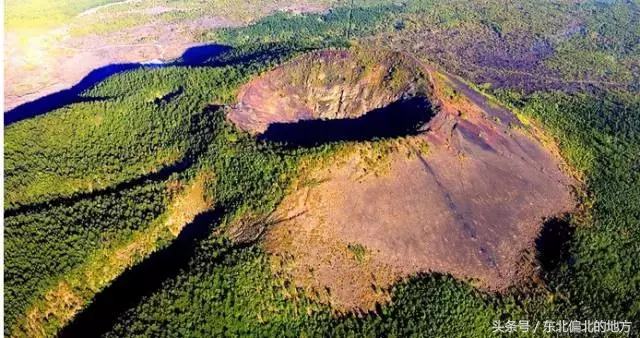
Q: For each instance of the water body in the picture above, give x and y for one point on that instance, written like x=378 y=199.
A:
x=194 y=56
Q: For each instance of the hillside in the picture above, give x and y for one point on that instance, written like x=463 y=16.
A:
x=464 y=176
x=328 y=168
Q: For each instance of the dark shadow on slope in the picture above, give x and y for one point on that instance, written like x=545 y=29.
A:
x=191 y=57
x=64 y=97
x=553 y=242
x=159 y=175
x=200 y=55
x=141 y=280
x=202 y=122
x=401 y=118
x=169 y=96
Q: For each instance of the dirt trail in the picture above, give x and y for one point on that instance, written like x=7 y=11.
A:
x=477 y=98
x=505 y=116
x=96 y=9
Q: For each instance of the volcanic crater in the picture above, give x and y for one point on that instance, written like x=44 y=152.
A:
x=336 y=95
x=466 y=189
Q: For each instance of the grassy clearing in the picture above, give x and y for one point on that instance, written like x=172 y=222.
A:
x=35 y=15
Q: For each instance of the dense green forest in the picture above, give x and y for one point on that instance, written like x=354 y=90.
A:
x=91 y=175
x=600 y=136
x=122 y=135
x=131 y=126
x=143 y=115
x=45 y=244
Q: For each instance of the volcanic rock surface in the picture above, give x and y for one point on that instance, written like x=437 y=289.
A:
x=326 y=85
x=468 y=206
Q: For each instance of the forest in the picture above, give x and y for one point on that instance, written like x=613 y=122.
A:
x=86 y=180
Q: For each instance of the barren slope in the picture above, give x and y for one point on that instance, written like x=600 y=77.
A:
x=468 y=206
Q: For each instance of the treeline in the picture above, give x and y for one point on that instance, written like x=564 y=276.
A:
x=223 y=292
x=600 y=136
x=333 y=28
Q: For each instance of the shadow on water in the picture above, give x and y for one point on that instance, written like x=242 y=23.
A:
x=141 y=280
x=401 y=118
x=553 y=243
x=191 y=57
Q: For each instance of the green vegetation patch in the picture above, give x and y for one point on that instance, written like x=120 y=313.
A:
x=45 y=14
x=128 y=132
x=43 y=245
x=600 y=136
x=358 y=250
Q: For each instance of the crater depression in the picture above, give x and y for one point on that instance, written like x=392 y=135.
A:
x=336 y=95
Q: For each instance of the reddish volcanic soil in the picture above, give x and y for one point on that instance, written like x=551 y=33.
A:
x=467 y=206
x=329 y=84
